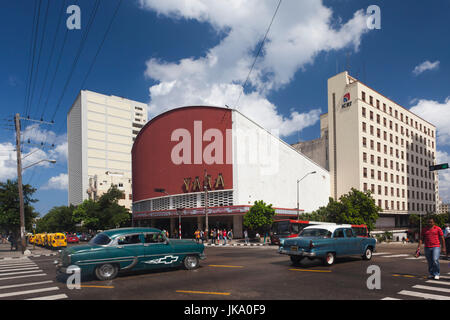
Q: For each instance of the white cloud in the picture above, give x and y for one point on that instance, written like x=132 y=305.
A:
x=301 y=30
x=60 y=182
x=32 y=155
x=437 y=114
x=424 y=66
x=8 y=161
x=444 y=176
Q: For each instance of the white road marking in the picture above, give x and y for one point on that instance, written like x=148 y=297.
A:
x=18 y=269
x=423 y=295
x=18 y=293
x=389 y=298
x=25 y=284
x=379 y=253
x=18 y=266
x=26 y=276
x=397 y=256
x=21 y=272
x=54 y=297
x=431 y=288
x=438 y=282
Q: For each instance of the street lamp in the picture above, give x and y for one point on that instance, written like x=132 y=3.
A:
x=44 y=160
x=298 y=193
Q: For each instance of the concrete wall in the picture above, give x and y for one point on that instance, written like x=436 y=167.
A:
x=266 y=168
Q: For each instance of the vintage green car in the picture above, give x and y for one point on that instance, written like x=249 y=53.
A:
x=124 y=249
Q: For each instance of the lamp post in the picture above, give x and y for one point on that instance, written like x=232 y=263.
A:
x=205 y=187
x=298 y=193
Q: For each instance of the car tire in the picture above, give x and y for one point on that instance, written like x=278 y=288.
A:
x=329 y=258
x=368 y=254
x=191 y=262
x=107 y=271
x=296 y=260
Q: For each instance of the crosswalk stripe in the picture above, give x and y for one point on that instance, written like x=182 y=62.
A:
x=21 y=272
x=24 y=284
x=54 y=297
x=423 y=295
x=389 y=298
x=18 y=266
x=15 y=263
x=431 y=288
x=414 y=258
x=18 y=293
x=25 y=276
x=379 y=253
x=18 y=269
x=396 y=256
x=438 y=282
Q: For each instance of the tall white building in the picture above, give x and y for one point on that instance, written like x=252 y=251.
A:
x=100 y=131
x=376 y=144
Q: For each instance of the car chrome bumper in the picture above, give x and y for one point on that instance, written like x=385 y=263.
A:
x=202 y=256
x=297 y=253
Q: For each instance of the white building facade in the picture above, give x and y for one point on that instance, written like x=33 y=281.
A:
x=183 y=151
x=100 y=132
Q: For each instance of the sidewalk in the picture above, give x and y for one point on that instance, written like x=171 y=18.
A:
x=6 y=253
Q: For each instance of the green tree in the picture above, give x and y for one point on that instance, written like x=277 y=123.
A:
x=10 y=206
x=259 y=217
x=106 y=213
x=58 y=219
x=355 y=207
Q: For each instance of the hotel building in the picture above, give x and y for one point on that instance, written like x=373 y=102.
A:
x=101 y=130
x=375 y=144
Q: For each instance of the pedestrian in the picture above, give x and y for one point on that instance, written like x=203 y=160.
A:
x=230 y=234
x=447 y=237
x=12 y=240
x=219 y=236
x=432 y=236
x=202 y=236
x=197 y=236
x=224 y=235
x=246 y=236
x=214 y=236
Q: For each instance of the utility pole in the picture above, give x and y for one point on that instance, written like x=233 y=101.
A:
x=23 y=243
x=19 y=184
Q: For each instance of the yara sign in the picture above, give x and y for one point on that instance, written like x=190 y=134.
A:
x=254 y=147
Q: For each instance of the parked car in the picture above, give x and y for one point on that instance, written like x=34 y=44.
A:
x=85 y=237
x=327 y=242
x=57 y=241
x=72 y=238
x=129 y=249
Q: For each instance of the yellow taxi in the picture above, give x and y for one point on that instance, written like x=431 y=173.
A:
x=57 y=240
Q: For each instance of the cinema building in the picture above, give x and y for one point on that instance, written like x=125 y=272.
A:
x=191 y=154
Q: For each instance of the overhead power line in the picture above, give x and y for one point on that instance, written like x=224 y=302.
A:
x=259 y=51
x=80 y=49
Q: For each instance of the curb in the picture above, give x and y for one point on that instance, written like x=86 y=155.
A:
x=237 y=245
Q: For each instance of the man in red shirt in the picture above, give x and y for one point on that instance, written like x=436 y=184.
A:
x=432 y=236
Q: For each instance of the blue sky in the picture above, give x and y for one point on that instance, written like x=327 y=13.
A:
x=158 y=52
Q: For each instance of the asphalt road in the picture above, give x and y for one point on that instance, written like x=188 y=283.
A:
x=239 y=274
x=235 y=273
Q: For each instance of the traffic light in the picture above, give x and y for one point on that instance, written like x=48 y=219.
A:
x=439 y=167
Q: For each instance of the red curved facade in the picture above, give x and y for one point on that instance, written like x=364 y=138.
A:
x=159 y=143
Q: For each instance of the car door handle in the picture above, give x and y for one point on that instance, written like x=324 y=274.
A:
x=119 y=247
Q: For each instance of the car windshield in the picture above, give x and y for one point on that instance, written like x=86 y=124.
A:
x=100 y=239
x=315 y=233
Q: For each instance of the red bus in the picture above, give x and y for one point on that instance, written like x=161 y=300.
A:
x=291 y=228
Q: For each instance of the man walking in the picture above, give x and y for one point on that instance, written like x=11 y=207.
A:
x=447 y=237
x=432 y=236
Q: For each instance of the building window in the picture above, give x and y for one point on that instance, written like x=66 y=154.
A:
x=363 y=96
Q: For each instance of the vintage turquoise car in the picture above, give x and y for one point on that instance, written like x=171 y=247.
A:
x=129 y=249
x=327 y=242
